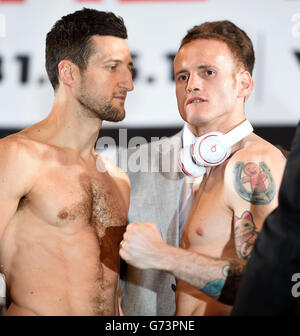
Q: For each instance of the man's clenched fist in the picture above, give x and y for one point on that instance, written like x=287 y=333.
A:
x=142 y=246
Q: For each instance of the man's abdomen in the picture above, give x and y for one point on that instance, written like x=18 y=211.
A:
x=50 y=273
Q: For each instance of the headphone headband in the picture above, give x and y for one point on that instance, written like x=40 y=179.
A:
x=238 y=133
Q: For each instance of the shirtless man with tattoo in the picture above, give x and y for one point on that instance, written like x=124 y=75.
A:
x=213 y=70
x=63 y=207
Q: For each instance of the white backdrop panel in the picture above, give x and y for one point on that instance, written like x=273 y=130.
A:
x=155 y=29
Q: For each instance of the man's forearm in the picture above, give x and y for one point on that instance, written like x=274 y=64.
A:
x=217 y=277
x=143 y=247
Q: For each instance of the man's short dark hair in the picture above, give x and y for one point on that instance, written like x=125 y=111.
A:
x=70 y=38
x=236 y=39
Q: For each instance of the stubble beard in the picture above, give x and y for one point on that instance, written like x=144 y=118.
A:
x=101 y=108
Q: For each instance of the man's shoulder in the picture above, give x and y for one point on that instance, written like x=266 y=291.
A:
x=15 y=146
x=254 y=148
x=18 y=164
x=20 y=154
x=252 y=176
x=256 y=158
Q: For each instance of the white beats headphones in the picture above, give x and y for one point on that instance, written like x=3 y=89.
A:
x=211 y=149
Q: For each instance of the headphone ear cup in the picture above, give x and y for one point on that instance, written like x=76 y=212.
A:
x=187 y=165
x=209 y=150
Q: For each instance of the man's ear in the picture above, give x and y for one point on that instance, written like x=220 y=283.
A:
x=67 y=72
x=246 y=85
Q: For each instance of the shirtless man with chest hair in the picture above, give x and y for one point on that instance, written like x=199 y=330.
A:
x=213 y=70
x=64 y=208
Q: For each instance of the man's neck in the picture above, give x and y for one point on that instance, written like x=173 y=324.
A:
x=224 y=124
x=68 y=126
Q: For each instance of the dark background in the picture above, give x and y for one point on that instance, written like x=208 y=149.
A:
x=278 y=136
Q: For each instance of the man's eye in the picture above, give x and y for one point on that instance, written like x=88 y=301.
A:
x=210 y=73
x=182 y=78
x=111 y=67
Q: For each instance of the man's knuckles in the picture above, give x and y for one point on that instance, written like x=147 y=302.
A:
x=135 y=225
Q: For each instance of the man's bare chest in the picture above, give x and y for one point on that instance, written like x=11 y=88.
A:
x=209 y=225
x=72 y=197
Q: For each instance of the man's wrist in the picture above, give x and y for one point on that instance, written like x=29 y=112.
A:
x=169 y=258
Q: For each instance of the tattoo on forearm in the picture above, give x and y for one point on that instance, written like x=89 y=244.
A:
x=214 y=288
x=225 y=288
x=254 y=182
x=245 y=234
x=226 y=271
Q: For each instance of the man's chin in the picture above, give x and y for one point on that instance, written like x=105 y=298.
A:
x=116 y=116
x=197 y=117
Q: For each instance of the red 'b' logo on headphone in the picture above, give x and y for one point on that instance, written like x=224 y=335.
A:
x=214 y=148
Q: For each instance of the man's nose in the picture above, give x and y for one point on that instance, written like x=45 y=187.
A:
x=127 y=82
x=193 y=83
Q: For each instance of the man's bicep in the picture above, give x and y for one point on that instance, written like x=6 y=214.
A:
x=11 y=191
x=254 y=182
x=254 y=187
x=8 y=207
x=18 y=169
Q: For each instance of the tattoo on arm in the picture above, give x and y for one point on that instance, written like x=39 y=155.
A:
x=225 y=289
x=214 y=288
x=245 y=234
x=254 y=182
